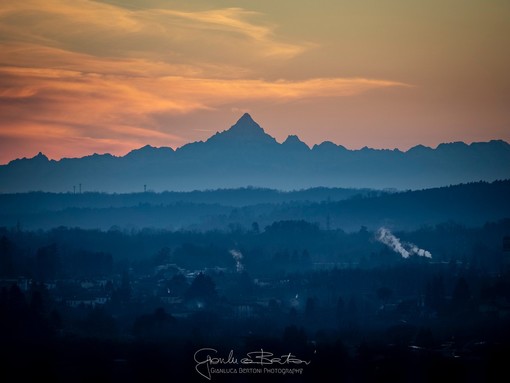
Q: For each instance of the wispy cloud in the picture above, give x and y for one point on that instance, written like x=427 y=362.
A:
x=106 y=30
x=107 y=101
x=96 y=72
x=236 y=21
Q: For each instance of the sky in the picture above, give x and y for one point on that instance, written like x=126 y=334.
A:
x=81 y=77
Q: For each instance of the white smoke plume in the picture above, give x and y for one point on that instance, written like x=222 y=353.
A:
x=404 y=249
x=385 y=236
x=237 y=255
x=420 y=252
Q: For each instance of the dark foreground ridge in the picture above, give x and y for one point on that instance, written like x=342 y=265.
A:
x=151 y=306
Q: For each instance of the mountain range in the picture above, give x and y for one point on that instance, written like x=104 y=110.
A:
x=245 y=155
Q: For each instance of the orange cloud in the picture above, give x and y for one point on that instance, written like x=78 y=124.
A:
x=107 y=106
x=71 y=96
x=159 y=34
x=235 y=20
x=86 y=72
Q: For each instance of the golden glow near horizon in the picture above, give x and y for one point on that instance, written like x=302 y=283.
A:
x=89 y=76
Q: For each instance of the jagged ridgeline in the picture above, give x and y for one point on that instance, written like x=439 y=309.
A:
x=245 y=155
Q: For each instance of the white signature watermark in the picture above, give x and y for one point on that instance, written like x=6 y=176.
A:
x=208 y=362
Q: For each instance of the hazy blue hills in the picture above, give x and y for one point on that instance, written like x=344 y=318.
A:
x=471 y=204
x=245 y=155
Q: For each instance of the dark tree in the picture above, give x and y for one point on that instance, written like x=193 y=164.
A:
x=99 y=322
x=158 y=324
x=122 y=295
x=424 y=338
x=48 y=262
x=202 y=288
x=6 y=257
x=294 y=338
x=461 y=292
x=384 y=294
x=340 y=309
x=163 y=256
x=435 y=293
x=177 y=285
x=310 y=308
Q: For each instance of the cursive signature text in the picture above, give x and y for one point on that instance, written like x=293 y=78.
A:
x=207 y=357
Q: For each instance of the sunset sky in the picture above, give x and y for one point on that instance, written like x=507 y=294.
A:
x=79 y=77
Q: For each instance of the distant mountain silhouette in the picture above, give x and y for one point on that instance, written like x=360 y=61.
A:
x=245 y=155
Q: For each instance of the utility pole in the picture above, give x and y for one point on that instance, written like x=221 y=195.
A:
x=80 y=188
x=74 y=189
x=145 y=188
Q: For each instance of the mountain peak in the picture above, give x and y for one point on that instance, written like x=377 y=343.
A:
x=246 y=118
x=149 y=151
x=246 y=130
x=40 y=157
x=246 y=124
x=293 y=141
